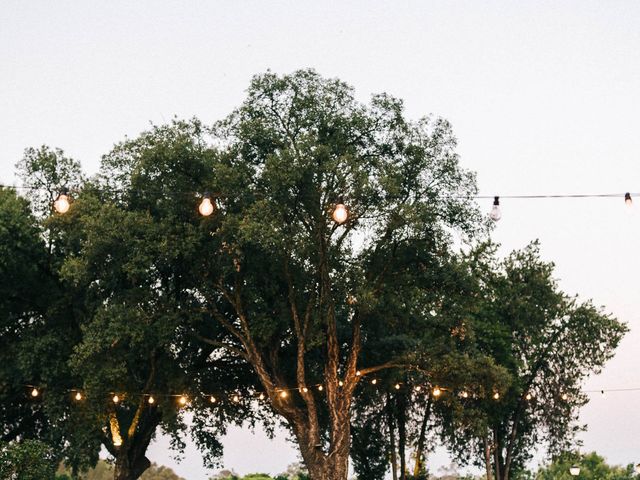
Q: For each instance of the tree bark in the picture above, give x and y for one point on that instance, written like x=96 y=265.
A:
x=402 y=434
x=487 y=458
x=392 y=439
x=419 y=466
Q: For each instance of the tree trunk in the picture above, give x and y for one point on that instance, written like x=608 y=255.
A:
x=323 y=466
x=402 y=434
x=487 y=458
x=422 y=440
x=129 y=466
x=392 y=438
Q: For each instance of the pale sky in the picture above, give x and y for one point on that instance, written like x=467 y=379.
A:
x=543 y=95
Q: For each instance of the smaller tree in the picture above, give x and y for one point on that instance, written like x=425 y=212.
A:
x=592 y=467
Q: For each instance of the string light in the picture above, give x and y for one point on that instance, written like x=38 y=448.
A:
x=574 y=470
x=340 y=213
x=604 y=395
x=565 y=396
x=374 y=381
x=358 y=373
x=528 y=396
x=151 y=400
x=62 y=203
x=627 y=199
x=116 y=399
x=418 y=388
x=495 y=213
x=341 y=383
x=305 y=389
x=206 y=206
x=464 y=394
x=397 y=386
x=284 y=394
x=236 y=398
x=212 y=399
x=182 y=400
x=320 y=388
x=437 y=392
x=78 y=396
x=34 y=392
x=496 y=396
x=261 y=396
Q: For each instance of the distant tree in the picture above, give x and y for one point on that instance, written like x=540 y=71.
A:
x=548 y=342
x=27 y=460
x=592 y=467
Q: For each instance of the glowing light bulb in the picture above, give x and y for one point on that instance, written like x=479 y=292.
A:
x=116 y=399
x=78 y=396
x=358 y=373
x=320 y=388
x=496 y=396
x=261 y=396
x=528 y=396
x=340 y=213
x=62 y=203
x=151 y=400
x=284 y=394
x=341 y=383
x=574 y=470
x=212 y=399
x=206 y=206
x=35 y=393
x=437 y=392
x=418 y=388
x=397 y=386
x=565 y=396
x=374 y=381
x=182 y=400
x=465 y=394
x=627 y=199
x=305 y=389
x=236 y=398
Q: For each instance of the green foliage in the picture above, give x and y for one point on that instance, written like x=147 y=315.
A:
x=592 y=467
x=27 y=460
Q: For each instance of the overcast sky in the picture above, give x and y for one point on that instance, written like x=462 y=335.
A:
x=544 y=97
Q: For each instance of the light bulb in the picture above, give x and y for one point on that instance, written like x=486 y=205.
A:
x=305 y=389
x=236 y=398
x=627 y=199
x=320 y=388
x=397 y=386
x=465 y=395
x=182 y=400
x=437 y=392
x=78 y=396
x=496 y=396
x=340 y=213
x=212 y=399
x=604 y=395
x=206 y=207
x=495 y=214
x=418 y=388
x=565 y=396
x=574 y=470
x=341 y=383
x=528 y=396
x=358 y=373
x=284 y=394
x=374 y=381
x=34 y=392
x=62 y=203
x=261 y=396
x=151 y=400
x=116 y=399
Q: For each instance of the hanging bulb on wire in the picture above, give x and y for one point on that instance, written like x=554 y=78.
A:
x=340 y=212
x=182 y=400
x=116 y=399
x=627 y=199
x=78 y=396
x=495 y=214
x=212 y=399
x=206 y=206
x=437 y=392
x=464 y=394
x=151 y=400
x=261 y=396
x=374 y=381
x=320 y=388
x=34 y=392
x=236 y=398
x=62 y=203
